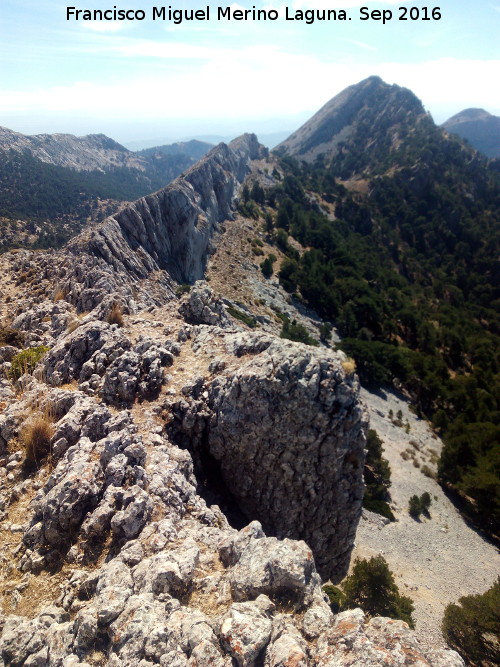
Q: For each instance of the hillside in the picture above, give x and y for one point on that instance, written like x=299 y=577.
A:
x=370 y=118
x=400 y=226
x=480 y=128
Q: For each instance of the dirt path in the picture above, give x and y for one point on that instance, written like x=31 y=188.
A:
x=438 y=559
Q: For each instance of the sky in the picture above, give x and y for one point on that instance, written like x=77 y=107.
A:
x=146 y=82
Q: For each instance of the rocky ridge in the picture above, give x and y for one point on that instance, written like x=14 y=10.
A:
x=120 y=547
x=93 y=151
x=172 y=228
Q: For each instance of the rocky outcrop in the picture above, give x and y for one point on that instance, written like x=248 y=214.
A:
x=136 y=255
x=203 y=307
x=153 y=573
x=284 y=423
x=172 y=228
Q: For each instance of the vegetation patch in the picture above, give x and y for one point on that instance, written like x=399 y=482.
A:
x=419 y=505
x=472 y=627
x=36 y=436
x=115 y=315
x=372 y=587
x=408 y=275
x=9 y=336
x=377 y=474
x=25 y=361
x=296 y=332
x=243 y=317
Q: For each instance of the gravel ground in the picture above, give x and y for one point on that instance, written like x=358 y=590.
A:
x=435 y=560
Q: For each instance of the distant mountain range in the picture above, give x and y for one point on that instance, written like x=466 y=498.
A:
x=97 y=151
x=480 y=128
x=53 y=184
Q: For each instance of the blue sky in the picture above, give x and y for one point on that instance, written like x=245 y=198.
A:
x=150 y=80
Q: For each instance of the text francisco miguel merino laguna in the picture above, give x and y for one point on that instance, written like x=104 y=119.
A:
x=219 y=13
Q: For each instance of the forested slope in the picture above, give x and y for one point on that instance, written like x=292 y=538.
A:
x=400 y=227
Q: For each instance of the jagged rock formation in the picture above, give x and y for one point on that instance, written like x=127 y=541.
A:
x=172 y=228
x=154 y=575
x=480 y=128
x=286 y=428
x=136 y=253
x=114 y=549
x=352 y=112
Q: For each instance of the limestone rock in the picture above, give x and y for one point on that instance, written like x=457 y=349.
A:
x=65 y=362
x=354 y=640
x=202 y=307
x=288 y=431
x=246 y=630
x=278 y=569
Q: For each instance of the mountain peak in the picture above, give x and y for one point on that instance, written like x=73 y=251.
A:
x=369 y=101
x=479 y=127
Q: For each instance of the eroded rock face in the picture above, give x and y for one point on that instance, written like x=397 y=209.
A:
x=355 y=639
x=138 y=253
x=178 y=586
x=172 y=228
x=288 y=431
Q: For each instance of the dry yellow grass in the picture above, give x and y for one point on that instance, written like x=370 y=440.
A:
x=349 y=366
x=60 y=294
x=115 y=315
x=35 y=437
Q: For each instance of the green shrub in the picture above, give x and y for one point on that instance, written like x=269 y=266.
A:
x=425 y=501
x=335 y=596
x=267 y=267
x=243 y=317
x=25 y=361
x=372 y=587
x=417 y=506
x=414 y=507
x=377 y=474
x=182 y=288
x=379 y=507
x=473 y=627
x=325 y=332
x=297 y=332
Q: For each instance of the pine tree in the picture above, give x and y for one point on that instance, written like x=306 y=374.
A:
x=372 y=587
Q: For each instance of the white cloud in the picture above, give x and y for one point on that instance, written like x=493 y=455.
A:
x=253 y=82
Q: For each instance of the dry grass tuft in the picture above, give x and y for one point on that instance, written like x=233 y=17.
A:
x=36 y=436
x=60 y=294
x=72 y=325
x=349 y=366
x=115 y=315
